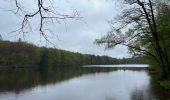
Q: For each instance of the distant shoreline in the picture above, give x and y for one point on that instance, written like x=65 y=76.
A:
x=119 y=65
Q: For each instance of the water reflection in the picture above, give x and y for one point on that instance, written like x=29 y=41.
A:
x=143 y=94
x=17 y=80
x=76 y=84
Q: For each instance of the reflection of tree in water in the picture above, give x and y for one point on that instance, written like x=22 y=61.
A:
x=21 y=79
x=110 y=98
x=143 y=94
x=160 y=93
x=137 y=95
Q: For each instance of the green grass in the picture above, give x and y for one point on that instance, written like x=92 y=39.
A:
x=165 y=84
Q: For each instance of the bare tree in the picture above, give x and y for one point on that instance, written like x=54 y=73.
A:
x=45 y=12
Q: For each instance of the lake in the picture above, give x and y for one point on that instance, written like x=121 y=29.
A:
x=85 y=83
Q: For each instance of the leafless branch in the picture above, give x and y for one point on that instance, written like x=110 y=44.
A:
x=45 y=14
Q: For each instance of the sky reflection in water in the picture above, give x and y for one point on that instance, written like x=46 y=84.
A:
x=115 y=85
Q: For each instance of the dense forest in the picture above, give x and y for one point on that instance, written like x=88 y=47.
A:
x=22 y=54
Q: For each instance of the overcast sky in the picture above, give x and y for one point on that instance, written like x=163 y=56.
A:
x=77 y=36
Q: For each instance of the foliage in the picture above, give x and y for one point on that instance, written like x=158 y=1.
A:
x=133 y=60
x=143 y=28
x=165 y=84
x=21 y=54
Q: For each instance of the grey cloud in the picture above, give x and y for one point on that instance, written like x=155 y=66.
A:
x=75 y=36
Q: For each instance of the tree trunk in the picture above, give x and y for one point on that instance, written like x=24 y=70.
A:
x=153 y=29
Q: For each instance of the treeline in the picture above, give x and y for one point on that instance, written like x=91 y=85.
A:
x=22 y=54
x=133 y=60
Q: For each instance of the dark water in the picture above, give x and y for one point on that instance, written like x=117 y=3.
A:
x=77 y=84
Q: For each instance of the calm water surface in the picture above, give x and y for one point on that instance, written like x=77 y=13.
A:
x=86 y=85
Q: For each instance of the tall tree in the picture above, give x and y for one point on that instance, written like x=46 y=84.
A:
x=140 y=18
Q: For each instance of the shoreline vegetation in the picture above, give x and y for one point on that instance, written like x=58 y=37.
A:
x=155 y=75
x=19 y=55
x=148 y=35
x=142 y=26
x=25 y=55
